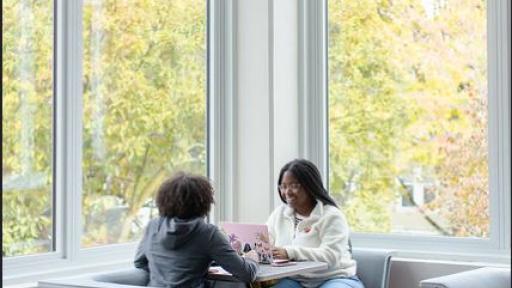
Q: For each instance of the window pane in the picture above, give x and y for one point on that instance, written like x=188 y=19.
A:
x=27 y=51
x=144 y=109
x=408 y=115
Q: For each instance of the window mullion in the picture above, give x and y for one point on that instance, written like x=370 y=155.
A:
x=498 y=16
x=69 y=126
x=222 y=118
x=501 y=37
x=313 y=83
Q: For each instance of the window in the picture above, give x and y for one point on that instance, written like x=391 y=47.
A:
x=414 y=111
x=144 y=109
x=93 y=125
x=27 y=141
x=408 y=102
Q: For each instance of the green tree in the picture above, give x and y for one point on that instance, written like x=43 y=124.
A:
x=407 y=88
x=26 y=120
x=367 y=113
x=144 y=101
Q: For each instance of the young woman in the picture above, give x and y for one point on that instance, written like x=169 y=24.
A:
x=310 y=226
x=178 y=247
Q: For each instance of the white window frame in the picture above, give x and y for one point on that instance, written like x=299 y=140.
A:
x=222 y=112
x=314 y=138
x=69 y=258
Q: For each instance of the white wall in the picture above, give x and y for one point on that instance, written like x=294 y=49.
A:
x=253 y=98
x=285 y=84
x=267 y=103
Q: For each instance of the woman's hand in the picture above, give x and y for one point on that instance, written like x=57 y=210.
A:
x=252 y=255
x=279 y=253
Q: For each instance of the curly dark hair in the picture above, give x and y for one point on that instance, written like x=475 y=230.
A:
x=185 y=196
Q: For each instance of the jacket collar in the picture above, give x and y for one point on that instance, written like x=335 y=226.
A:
x=316 y=213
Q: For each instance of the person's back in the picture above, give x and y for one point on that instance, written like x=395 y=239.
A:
x=177 y=251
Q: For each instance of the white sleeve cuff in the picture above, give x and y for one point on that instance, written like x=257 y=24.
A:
x=291 y=252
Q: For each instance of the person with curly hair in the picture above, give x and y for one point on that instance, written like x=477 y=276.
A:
x=178 y=247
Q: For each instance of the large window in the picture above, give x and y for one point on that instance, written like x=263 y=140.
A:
x=126 y=110
x=27 y=143
x=408 y=116
x=144 y=110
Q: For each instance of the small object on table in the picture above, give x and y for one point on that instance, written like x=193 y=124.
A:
x=282 y=262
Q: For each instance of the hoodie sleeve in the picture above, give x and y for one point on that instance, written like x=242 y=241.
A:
x=244 y=269
x=141 y=261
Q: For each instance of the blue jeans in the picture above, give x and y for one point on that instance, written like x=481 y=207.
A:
x=349 y=282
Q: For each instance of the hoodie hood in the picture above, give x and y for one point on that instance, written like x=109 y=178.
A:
x=173 y=232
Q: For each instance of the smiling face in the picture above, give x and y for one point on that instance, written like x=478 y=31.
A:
x=295 y=195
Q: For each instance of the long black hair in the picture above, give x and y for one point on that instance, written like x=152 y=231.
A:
x=308 y=176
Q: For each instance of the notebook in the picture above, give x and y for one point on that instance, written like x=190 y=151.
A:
x=245 y=237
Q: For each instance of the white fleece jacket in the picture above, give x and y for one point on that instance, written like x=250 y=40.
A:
x=323 y=236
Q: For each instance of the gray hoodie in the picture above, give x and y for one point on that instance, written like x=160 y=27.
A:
x=177 y=253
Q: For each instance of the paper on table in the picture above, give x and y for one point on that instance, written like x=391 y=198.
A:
x=282 y=264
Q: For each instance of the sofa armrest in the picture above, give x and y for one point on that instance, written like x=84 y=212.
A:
x=373 y=266
x=477 y=278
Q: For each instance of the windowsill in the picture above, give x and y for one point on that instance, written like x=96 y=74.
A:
x=435 y=247
x=451 y=262
x=23 y=285
x=466 y=260
x=31 y=278
x=495 y=259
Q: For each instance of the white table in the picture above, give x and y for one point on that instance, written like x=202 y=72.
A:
x=268 y=272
